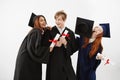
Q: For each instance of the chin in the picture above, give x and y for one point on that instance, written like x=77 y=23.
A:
x=59 y=26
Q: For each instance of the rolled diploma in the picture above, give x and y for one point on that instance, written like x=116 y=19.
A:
x=104 y=59
x=56 y=38
x=65 y=33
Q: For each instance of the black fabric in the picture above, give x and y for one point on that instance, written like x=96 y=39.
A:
x=31 y=21
x=60 y=66
x=30 y=57
x=86 y=67
x=84 y=27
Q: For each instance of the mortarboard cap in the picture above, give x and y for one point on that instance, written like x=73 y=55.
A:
x=106 y=29
x=84 y=27
x=31 y=21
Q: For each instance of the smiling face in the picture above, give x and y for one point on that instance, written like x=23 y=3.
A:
x=60 y=18
x=96 y=31
x=42 y=22
x=59 y=21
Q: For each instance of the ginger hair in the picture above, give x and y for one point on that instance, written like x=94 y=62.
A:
x=96 y=44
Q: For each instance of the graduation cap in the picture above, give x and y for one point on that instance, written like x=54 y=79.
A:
x=84 y=27
x=31 y=21
x=106 y=29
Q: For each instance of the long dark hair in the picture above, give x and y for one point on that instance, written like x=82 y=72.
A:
x=36 y=21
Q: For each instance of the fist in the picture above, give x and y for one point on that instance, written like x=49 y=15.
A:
x=63 y=40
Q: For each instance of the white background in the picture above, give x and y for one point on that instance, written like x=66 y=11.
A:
x=14 y=17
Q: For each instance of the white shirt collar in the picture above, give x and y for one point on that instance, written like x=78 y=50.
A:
x=60 y=30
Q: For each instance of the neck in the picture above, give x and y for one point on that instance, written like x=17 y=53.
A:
x=60 y=27
x=93 y=36
x=91 y=40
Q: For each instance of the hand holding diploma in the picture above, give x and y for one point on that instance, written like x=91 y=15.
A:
x=101 y=57
x=62 y=38
x=61 y=41
x=54 y=41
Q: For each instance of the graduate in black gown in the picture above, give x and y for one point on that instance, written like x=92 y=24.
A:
x=89 y=48
x=34 y=51
x=60 y=65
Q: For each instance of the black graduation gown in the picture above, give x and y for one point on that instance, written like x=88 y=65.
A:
x=86 y=67
x=59 y=66
x=33 y=52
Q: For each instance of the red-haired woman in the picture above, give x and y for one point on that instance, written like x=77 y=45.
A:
x=34 y=51
x=88 y=50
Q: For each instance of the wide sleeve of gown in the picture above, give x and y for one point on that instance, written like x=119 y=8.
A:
x=71 y=46
x=97 y=62
x=36 y=51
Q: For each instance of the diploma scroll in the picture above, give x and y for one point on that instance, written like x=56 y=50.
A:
x=65 y=34
x=55 y=40
x=105 y=59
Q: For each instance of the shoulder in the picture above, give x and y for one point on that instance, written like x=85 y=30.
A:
x=34 y=32
x=69 y=30
x=54 y=28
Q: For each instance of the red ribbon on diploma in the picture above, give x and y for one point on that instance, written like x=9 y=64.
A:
x=66 y=35
x=107 y=61
x=54 y=41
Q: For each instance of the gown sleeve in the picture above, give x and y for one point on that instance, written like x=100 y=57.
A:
x=97 y=62
x=36 y=51
x=71 y=44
